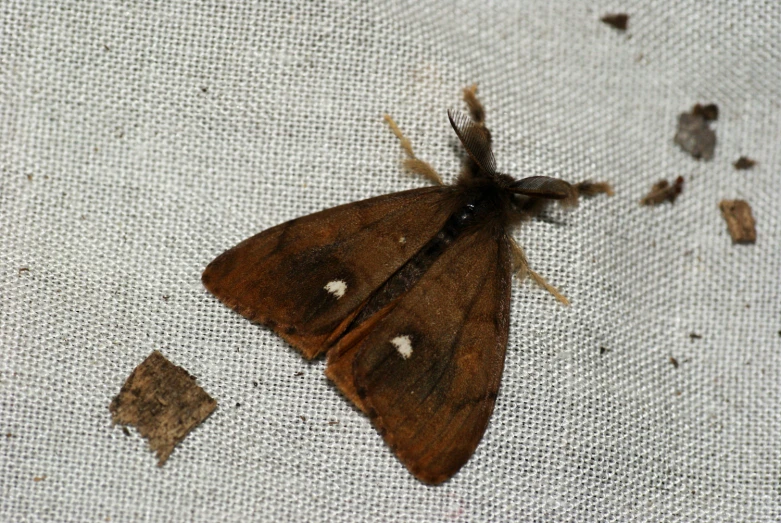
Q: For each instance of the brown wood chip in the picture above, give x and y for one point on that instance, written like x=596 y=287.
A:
x=163 y=402
x=740 y=222
x=663 y=191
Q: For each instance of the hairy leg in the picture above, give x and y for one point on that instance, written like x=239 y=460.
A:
x=523 y=270
x=412 y=163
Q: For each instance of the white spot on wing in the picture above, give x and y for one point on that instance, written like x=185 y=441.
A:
x=403 y=346
x=336 y=287
x=403 y=240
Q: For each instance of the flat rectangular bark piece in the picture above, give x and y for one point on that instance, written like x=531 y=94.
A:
x=740 y=221
x=163 y=402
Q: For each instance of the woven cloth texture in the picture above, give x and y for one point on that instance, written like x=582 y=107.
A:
x=138 y=140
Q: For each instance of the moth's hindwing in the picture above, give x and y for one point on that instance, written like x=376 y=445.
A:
x=427 y=368
x=305 y=278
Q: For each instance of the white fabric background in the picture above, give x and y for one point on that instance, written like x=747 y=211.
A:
x=158 y=134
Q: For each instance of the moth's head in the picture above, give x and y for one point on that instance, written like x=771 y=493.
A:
x=480 y=166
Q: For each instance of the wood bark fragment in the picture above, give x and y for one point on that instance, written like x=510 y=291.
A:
x=740 y=221
x=163 y=402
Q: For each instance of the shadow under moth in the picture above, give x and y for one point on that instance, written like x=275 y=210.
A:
x=407 y=293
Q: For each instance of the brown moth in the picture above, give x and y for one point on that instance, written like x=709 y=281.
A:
x=407 y=293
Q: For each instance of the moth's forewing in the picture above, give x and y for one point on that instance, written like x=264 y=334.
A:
x=304 y=278
x=427 y=368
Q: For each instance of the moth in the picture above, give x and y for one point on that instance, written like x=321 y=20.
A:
x=408 y=294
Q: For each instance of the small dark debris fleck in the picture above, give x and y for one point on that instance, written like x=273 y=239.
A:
x=165 y=297
x=303 y=418
x=333 y=422
x=710 y=111
x=125 y=431
x=674 y=362
x=743 y=163
x=694 y=134
x=9 y=435
x=204 y=89
x=618 y=21
x=238 y=404
x=299 y=373
x=603 y=350
x=23 y=269
x=695 y=336
x=662 y=191
x=39 y=478
x=29 y=177
x=254 y=383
